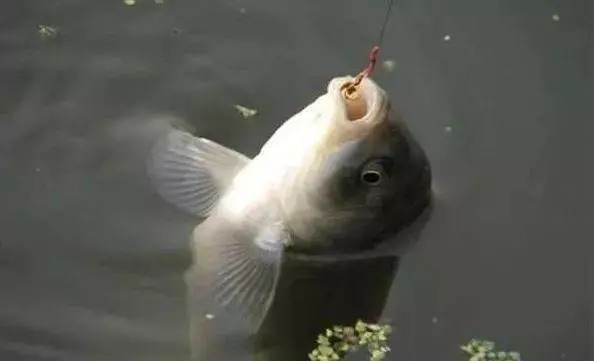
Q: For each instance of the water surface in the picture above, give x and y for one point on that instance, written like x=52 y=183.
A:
x=91 y=261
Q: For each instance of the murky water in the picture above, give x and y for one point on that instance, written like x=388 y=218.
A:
x=91 y=261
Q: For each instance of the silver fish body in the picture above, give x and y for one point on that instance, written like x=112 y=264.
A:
x=321 y=185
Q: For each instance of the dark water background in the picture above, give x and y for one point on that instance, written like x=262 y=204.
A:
x=91 y=261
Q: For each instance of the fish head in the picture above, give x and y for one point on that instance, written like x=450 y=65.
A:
x=366 y=178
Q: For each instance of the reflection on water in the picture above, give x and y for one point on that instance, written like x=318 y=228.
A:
x=313 y=296
x=313 y=293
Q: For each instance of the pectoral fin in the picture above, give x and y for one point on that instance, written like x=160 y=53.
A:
x=192 y=172
x=235 y=272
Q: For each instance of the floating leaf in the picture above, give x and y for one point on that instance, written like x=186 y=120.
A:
x=47 y=31
x=483 y=350
x=337 y=341
x=322 y=340
x=374 y=327
x=515 y=355
x=360 y=326
x=245 y=111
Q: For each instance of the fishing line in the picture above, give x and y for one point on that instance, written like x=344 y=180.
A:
x=385 y=24
x=350 y=88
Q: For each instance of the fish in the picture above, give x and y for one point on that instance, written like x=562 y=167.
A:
x=322 y=185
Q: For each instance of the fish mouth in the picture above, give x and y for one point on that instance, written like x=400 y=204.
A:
x=367 y=105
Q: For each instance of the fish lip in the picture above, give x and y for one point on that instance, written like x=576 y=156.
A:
x=375 y=99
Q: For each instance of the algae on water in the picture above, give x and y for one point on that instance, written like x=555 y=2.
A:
x=483 y=350
x=336 y=342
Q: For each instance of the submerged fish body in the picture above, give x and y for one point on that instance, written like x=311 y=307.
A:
x=322 y=184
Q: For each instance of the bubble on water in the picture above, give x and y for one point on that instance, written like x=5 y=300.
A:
x=389 y=65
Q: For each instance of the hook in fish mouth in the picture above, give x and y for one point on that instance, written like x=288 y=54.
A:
x=351 y=87
x=361 y=106
x=350 y=90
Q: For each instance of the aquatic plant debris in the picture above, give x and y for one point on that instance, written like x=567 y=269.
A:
x=337 y=341
x=133 y=2
x=245 y=111
x=484 y=350
x=47 y=31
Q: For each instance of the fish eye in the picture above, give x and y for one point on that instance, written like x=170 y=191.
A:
x=371 y=177
x=375 y=171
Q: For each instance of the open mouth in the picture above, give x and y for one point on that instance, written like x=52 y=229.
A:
x=359 y=102
x=355 y=103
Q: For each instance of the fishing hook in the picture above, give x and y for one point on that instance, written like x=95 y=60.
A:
x=350 y=87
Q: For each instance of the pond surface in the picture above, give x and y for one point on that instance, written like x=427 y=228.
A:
x=497 y=92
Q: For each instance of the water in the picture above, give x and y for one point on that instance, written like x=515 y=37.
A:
x=91 y=261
